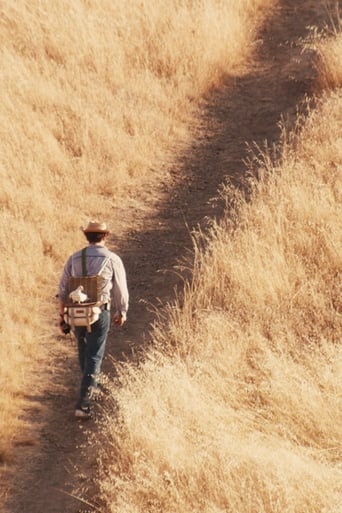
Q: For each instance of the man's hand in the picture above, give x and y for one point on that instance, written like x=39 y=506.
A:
x=64 y=326
x=118 y=319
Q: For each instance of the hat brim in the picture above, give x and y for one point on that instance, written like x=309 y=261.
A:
x=95 y=231
x=92 y=230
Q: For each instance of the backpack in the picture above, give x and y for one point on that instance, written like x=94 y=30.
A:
x=87 y=312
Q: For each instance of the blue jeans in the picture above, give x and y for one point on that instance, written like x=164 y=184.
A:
x=91 y=348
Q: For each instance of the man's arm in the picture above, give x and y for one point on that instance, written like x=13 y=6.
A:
x=62 y=290
x=120 y=293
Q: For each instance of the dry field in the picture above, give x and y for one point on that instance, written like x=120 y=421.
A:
x=97 y=99
x=235 y=403
x=237 y=406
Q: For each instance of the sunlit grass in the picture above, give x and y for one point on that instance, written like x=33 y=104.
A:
x=97 y=99
x=237 y=407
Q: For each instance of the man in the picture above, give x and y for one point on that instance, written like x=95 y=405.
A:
x=91 y=343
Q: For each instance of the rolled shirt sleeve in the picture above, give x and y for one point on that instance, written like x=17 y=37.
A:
x=62 y=289
x=120 y=292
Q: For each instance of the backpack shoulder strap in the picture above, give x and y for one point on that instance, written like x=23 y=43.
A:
x=84 y=262
x=104 y=264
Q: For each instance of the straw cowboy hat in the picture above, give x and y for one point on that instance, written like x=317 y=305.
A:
x=95 y=227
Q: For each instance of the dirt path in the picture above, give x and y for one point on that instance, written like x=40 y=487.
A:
x=53 y=473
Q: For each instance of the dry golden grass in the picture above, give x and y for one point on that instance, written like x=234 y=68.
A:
x=329 y=51
x=238 y=405
x=96 y=98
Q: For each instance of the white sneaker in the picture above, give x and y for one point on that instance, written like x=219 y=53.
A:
x=83 y=413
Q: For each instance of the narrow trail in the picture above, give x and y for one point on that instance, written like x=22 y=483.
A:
x=55 y=468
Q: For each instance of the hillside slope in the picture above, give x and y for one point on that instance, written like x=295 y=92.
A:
x=54 y=474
